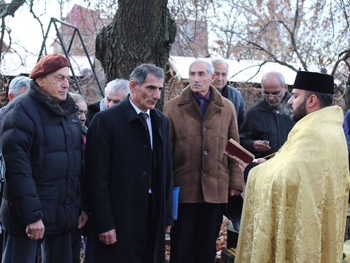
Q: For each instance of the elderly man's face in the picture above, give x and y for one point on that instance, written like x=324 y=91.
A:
x=220 y=78
x=114 y=98
x=82 y=111
x=145 y=96
x=55 y=84
x=273 y=91
x=200 y=79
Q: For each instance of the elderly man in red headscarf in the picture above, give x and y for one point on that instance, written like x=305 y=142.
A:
x=42 y=144
x=296 y=203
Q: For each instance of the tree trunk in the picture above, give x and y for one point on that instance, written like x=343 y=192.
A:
x=141 y=32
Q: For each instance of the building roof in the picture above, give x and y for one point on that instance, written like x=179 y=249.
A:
x=239 y=71
x=12 y=64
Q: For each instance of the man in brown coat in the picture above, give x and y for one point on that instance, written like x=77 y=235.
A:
x=201 y=123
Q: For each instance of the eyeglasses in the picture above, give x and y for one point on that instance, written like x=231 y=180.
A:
x=273 y=94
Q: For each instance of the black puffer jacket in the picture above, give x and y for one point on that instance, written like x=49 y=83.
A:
x=42 y=146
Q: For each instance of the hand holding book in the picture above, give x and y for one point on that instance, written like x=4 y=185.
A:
x=234 y=149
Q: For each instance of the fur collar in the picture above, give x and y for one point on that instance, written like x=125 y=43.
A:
x=63 y=108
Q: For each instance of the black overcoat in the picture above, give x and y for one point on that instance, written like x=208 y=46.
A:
x=118 y=161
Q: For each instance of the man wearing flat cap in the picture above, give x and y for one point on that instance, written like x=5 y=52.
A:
x=42 y=144
x=296 y=203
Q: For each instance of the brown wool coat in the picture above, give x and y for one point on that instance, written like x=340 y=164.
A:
x=200 y=168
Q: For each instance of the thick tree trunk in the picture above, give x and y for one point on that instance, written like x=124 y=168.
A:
x=141 y=32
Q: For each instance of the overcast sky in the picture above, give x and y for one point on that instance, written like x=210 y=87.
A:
x=25 y=30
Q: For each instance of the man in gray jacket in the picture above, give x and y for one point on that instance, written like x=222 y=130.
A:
x=232 y=94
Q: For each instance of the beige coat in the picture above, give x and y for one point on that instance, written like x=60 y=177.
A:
x=200 y=168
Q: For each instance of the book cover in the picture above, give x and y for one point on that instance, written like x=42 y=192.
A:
x=233 y=148
x=176 y=192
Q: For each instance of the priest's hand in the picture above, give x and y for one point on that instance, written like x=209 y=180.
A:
x=260 y=160
x=242 y=164
x=109 y=237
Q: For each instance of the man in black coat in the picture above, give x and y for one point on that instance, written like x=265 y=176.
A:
x=129 y=176
x=267 y=124
x=42 y=148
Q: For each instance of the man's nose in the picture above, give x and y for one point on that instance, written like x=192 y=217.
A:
x=65 y=83
x=270 y=97
x=156 y=94
x=196 y=78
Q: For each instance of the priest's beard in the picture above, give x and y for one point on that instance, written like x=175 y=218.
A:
x=300 y=112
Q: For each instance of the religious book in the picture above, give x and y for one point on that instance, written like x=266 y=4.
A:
x=233 y=148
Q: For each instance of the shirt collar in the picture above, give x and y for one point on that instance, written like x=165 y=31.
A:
x=207 y=96
x=137 y=109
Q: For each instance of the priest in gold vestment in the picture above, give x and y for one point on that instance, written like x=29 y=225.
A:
x=295 y=204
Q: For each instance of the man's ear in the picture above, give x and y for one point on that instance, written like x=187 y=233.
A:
x=132 y=85
x=312 y=101
x=10 y=96
x=40 y=81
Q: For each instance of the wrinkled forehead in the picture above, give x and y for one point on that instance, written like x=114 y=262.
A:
x=271 y=85
x=198 y=67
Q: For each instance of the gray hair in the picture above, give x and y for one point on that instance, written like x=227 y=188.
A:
x=76 y=97
x=118 y=84
x=210 y=67
x=140 y=73
x=219 y=61
x=279 y=76
x=17 y=84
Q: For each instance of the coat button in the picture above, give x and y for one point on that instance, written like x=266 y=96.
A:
x=205 y=174
x=141 y=201
x=204 y=129
x=145 y=147
x=144 y=173
x=205 y=152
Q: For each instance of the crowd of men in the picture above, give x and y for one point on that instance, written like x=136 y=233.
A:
x=107 y=171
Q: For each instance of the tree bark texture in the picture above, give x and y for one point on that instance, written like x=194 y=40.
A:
x=142 y=31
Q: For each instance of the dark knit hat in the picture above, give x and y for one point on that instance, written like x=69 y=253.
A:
x=313 y=81
x=49 y=64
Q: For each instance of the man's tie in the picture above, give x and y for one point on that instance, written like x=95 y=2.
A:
x=144 y=117
x=201 y=104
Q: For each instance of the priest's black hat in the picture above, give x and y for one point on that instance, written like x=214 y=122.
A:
x=314 y=81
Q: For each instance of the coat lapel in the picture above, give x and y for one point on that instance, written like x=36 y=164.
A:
x=128 y=110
